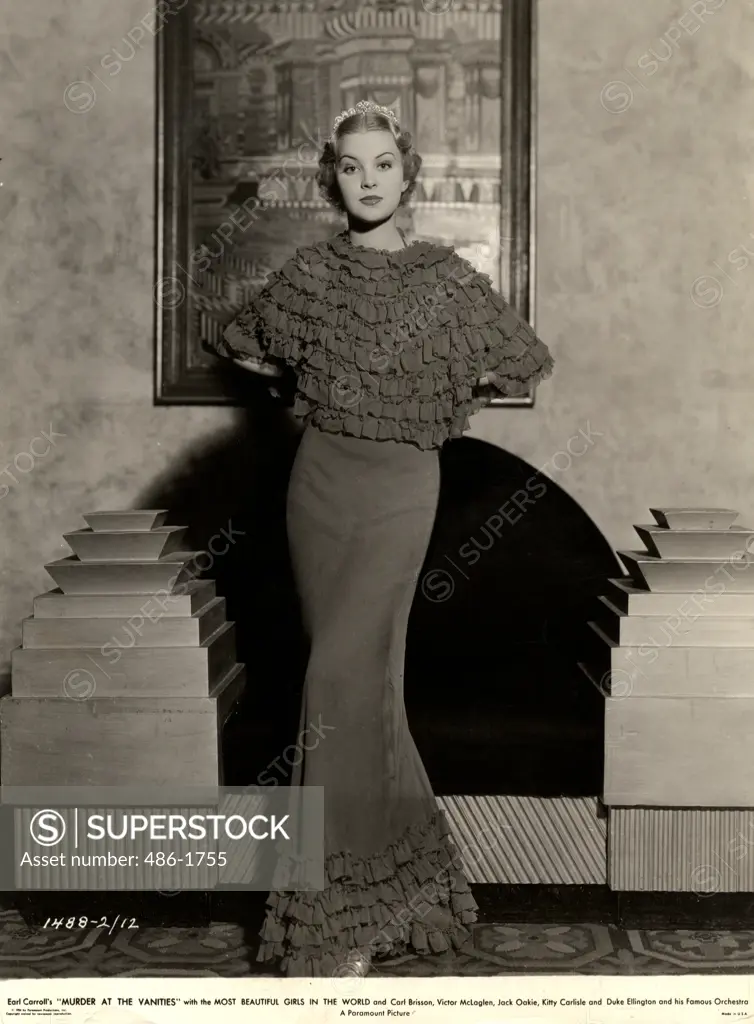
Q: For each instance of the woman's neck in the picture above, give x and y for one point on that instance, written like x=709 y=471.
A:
x=384 y=236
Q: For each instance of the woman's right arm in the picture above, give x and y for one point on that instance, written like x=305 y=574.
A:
x=264 y=337
x=266 y=369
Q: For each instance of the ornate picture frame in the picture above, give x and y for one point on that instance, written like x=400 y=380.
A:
x=246 y=92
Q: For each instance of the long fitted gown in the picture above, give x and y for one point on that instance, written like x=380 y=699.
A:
x=388 y=347
x=360 y=515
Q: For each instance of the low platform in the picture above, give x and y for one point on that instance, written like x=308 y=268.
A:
x=529 y=840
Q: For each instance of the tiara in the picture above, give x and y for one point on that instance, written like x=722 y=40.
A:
x=364 y=107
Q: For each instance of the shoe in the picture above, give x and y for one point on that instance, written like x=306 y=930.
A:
x=355 y=965
x=393 y=951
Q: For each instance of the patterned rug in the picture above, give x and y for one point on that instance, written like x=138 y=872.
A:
x=224 y=950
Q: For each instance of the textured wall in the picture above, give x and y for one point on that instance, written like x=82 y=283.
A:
x=76 y=301
x=639 y=195
x=645 y=182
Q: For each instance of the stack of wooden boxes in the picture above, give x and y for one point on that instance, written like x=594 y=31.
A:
x=679 y=708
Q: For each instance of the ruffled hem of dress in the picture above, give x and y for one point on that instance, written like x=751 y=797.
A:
x=376 y=904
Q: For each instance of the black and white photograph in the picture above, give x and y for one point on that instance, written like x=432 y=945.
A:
x=377 y=583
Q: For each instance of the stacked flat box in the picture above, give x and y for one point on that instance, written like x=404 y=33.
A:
x=700 y=850
x=127 y=670
x=679 y=704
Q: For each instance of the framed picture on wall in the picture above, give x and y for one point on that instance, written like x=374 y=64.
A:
x=247 y=93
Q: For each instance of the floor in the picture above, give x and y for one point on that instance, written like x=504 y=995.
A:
x=227 y=950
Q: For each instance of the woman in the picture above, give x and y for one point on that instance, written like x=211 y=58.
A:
x=390 y=342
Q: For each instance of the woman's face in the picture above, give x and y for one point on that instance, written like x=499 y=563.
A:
x=369 y=167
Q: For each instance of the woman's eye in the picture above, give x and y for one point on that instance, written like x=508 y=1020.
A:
x=383 y=163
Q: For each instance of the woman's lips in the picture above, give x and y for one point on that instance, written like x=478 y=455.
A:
x=371 y=200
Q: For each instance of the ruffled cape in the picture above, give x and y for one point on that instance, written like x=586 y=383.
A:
x=388 y=344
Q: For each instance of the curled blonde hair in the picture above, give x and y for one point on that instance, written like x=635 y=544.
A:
x=368 y=121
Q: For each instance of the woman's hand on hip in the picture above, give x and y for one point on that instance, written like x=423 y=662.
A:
x=266 y=369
